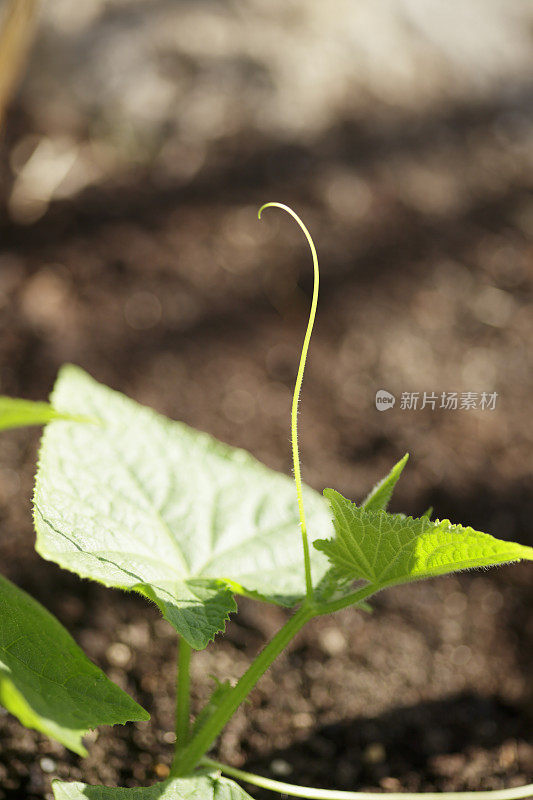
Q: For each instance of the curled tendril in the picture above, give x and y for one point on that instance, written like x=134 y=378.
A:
x=297 y=389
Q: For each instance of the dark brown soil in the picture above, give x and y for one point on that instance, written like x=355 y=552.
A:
x=181 y=299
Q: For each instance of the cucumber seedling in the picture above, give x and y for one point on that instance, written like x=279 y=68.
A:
x=138 y=502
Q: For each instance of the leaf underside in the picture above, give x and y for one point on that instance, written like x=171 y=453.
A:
x=199 y=787
x=47 y=681
x=387 y=549
x=143 y=503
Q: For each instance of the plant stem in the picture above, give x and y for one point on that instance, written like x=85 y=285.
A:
x=516 y=793
x=296 y=395
x=187 y=757
x=183 y=694
x=16 y=34
x=348 y=600
x=186 y=760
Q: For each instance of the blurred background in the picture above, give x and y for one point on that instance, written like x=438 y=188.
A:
x=140 y=140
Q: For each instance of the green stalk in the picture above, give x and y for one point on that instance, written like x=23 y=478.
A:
x=296 y=395
x=351 y=599
x=183 y=701
x=309 y=793
x=186 y=760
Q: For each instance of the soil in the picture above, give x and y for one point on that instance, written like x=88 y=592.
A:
x=177 y=296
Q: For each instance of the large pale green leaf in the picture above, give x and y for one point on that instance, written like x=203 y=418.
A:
x=140 y=502
x=386 y=549
x=16 y=413
x=46 y=680
x=379 y=497
x=200 y=787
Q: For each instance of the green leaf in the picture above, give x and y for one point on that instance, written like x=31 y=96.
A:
x=143 y=503
x=198 y=787
x=46 y=680
x=386 y=549
x=379 y=497
x=15 y=413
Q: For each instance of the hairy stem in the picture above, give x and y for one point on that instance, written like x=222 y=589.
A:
x=351 y=599
x=183 y=695
x=187 y=759
x=296 y=395
x=516 y=793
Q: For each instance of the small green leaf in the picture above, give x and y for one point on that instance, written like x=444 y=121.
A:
x=386 y=549
x=379 y=497
x=46 y=680
x=199 y=787
x=428 y=512
x=15 y=413
x=142 y=503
